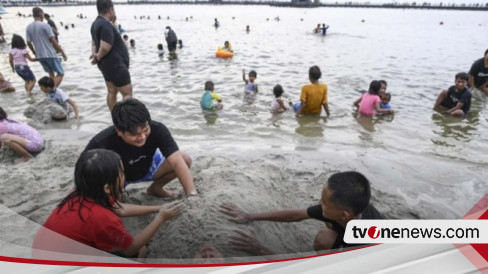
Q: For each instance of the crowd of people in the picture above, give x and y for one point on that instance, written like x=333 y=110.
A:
x=136 y=149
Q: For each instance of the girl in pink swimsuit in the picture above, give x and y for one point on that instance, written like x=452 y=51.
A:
x=19 y=137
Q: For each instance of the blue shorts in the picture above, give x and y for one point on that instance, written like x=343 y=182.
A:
x=297 y=106
x=25 y=72
x=158 y=160
x=51 y=65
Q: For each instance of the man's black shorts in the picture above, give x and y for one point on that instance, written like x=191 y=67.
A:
x=172 y=46
x=119 y=76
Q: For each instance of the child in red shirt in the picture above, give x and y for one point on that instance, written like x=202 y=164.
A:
x=90 y=214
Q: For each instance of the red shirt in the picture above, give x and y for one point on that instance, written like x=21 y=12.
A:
x=100 y=228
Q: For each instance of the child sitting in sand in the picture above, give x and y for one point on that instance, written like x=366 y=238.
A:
x=90 y=213
x=457 y=98
x=58 y=96
x=370 y=101
x=251 y=87
x=20 y=137
x=227 y=46
x=5 y=86
x=313 y=96
x=210 y=100
x=278 y=105
x=18 y=56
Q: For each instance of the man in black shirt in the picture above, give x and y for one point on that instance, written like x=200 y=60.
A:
x=147 y=149
x=51 y=23
x=345 y=196
x=478 y=75
x=110 y=53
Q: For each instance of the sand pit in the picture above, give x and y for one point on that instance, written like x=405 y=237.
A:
x=254 y=181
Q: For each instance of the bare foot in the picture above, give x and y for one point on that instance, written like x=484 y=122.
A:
x=21 y=160
x=159 y=192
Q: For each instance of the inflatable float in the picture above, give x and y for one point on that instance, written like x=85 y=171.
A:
x=223 y=53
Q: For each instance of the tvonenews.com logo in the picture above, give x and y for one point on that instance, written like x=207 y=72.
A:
x=416 y=231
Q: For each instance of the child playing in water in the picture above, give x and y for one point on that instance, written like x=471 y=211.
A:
x=5 y=86
x=180 y=44
x=58 y=96
x=20 y=137
x=251 y=87
x=227 y=46
x=385 y=101
x=132 y=43
x=18 y=56
x=91 y=213
x=160 y=50
x=370 y=101
x=278 y=105
x=457 y=98
x=314 y=96
x=126 y=40
x=210 y=100
x=384 y=85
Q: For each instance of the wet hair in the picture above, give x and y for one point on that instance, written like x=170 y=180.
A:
x=3 y=114
x=130 y=115
x=47 y=16
x=180 y=42
x=350 y=190
x=386 y=96
x=253 y=73
x=160 y=46
x=18 y=42
x=383 y=82
x=103 y=6
x=278 y=91
x=209 y=85
x=314 y=73
x=374 y=87
x=36 y=12
x=462 y=75
x=46 y=82
x=93 y=170
x=125 y=36
x=132 y=41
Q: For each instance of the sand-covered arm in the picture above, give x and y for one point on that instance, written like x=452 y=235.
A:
x=239 y=216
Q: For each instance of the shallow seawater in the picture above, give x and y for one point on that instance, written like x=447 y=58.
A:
x=417 y=155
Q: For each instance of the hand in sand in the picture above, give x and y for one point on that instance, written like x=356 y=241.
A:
x=248 y=242
x=238 y=215
x=171 y=210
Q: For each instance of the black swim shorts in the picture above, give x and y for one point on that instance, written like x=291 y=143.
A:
x=119 y=76
x=172 y=46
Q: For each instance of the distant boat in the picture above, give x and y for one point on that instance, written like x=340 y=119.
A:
x=3 y=10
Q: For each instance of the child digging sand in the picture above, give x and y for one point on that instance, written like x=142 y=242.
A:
x=90 y=213
x=58 y=96
x=20 y=137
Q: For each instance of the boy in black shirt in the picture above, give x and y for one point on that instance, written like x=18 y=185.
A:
x=457 y=99
x=147 y=149
x=345 y=197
